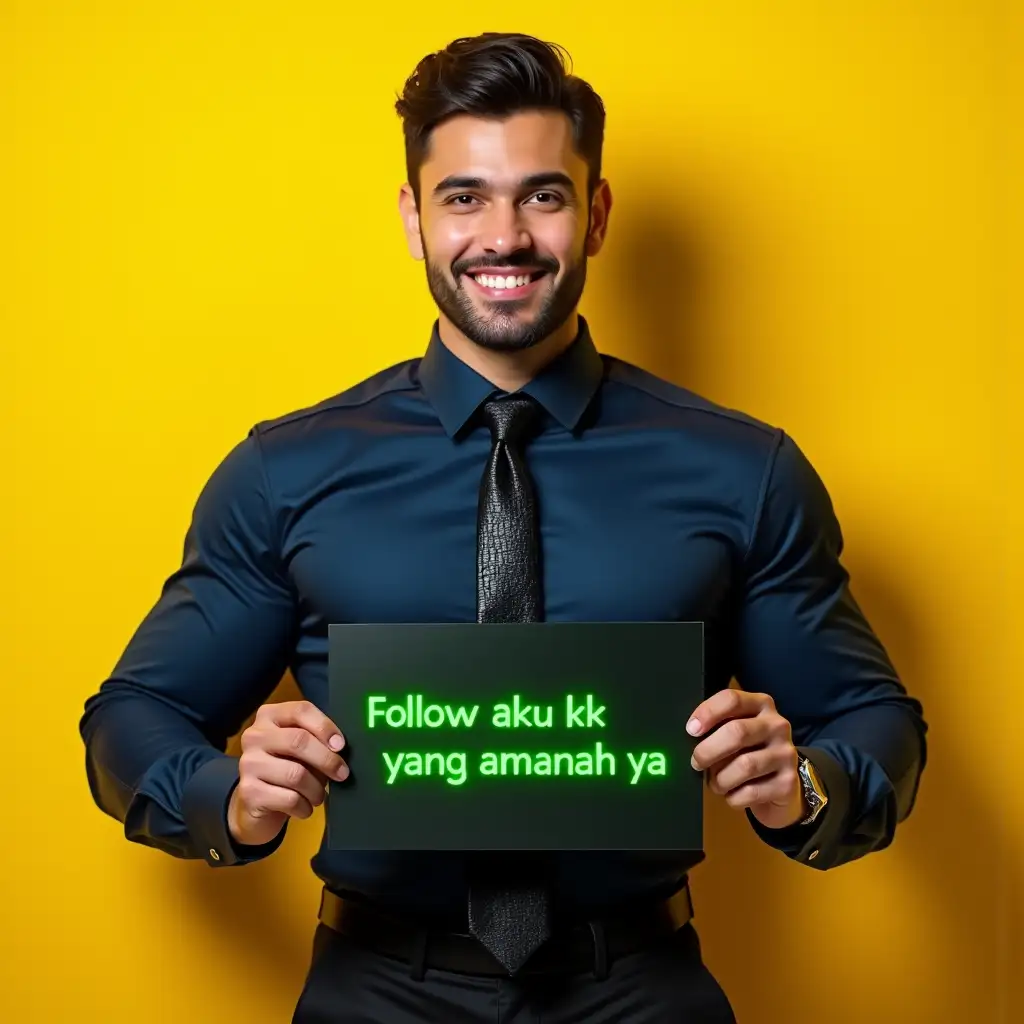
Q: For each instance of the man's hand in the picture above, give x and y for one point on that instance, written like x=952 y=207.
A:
x=749 y=757
x=288 y=754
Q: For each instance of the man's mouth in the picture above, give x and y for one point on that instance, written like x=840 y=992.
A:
x=513 y=283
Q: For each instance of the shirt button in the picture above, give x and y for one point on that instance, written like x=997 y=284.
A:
x=810 y=856
x=214 y=854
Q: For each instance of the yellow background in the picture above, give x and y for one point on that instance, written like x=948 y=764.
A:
x=198 y=230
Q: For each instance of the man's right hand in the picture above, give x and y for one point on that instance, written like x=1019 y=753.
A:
x=288 y=754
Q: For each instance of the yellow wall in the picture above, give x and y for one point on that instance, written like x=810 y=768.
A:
x=198 y=231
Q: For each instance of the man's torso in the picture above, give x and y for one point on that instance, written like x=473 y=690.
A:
x=645 y=514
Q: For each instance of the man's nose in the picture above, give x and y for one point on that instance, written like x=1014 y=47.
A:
x=503 y=228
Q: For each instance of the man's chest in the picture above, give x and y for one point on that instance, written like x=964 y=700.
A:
x=621 y=540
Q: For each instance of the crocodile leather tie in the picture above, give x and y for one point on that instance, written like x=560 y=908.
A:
x=509 y=905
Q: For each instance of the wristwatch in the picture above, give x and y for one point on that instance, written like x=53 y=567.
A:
x=814 y=789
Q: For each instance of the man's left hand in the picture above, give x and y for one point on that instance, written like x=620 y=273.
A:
x=749 y=756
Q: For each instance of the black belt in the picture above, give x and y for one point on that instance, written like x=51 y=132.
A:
x=576 y=948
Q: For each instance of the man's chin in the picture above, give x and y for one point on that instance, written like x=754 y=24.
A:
x=504 y=341
x=502 y=331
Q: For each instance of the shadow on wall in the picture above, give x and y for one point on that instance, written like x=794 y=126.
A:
x=662 y=283
x=655 y=285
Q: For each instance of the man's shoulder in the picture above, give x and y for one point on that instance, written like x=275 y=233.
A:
x=362 y=395
x=688 y=408
x=755 y=451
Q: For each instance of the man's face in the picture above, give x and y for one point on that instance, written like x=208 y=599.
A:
x=504 y=226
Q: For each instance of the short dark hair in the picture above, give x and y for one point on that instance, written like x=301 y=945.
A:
x=496 y=74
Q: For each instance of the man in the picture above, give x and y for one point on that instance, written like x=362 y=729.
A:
x=512 y=473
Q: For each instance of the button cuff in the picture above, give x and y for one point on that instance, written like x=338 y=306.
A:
x=204 y=807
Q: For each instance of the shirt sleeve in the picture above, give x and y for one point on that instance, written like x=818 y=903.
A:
x=210 y=651
x=804 y=640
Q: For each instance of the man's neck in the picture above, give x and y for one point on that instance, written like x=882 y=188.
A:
x=508 y=371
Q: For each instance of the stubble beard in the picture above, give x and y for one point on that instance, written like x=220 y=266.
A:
x=501 y=330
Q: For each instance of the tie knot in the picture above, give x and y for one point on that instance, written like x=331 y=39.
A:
x=510 y=419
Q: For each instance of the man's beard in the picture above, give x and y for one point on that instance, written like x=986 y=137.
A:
x=502 y=331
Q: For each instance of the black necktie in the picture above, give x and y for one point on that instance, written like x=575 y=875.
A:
x=509 y=908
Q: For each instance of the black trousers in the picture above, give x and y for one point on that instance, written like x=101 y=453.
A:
x=666 y=982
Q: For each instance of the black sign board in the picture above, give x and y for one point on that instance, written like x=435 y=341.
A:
x=532 y=736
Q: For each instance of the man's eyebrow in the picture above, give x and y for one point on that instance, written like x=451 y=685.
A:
x=458 y=181
x=549 y=178
x=539 y=180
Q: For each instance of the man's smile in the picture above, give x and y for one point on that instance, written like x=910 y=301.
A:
x=499 y=283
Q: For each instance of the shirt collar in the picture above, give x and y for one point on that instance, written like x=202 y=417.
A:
x=564 y=387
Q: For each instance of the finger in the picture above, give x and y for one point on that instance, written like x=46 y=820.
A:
x=304 y=714
x=730 y=739
x=285 y=773
x=773 y=789
x=300 y=745
x=722 y=706
x=259 y=798
x=748 y=767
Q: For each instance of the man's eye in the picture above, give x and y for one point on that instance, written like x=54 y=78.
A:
x=457 y=200
x=547 y=198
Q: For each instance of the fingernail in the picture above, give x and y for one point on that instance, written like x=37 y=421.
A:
x=693 y=764
x=693 y=727
x=342 y=772
x=336 y=742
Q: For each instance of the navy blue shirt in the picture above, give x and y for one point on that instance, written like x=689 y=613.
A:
x=655 y=504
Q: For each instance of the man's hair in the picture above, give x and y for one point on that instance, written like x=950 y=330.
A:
x=497 y=74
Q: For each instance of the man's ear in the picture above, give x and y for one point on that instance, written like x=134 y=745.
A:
x=410 y=221
x=600 y=210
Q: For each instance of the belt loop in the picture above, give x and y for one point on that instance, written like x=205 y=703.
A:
x=418 y=965
x=600 y=949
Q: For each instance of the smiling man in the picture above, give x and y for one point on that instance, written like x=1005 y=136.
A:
x=481 y=177
x=513 y=473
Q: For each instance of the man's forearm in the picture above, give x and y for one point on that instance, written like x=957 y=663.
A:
x=149 y=767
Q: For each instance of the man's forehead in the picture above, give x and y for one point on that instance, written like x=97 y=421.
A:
x=501 y=150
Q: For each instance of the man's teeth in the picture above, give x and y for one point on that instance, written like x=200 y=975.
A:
x=501 y=282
